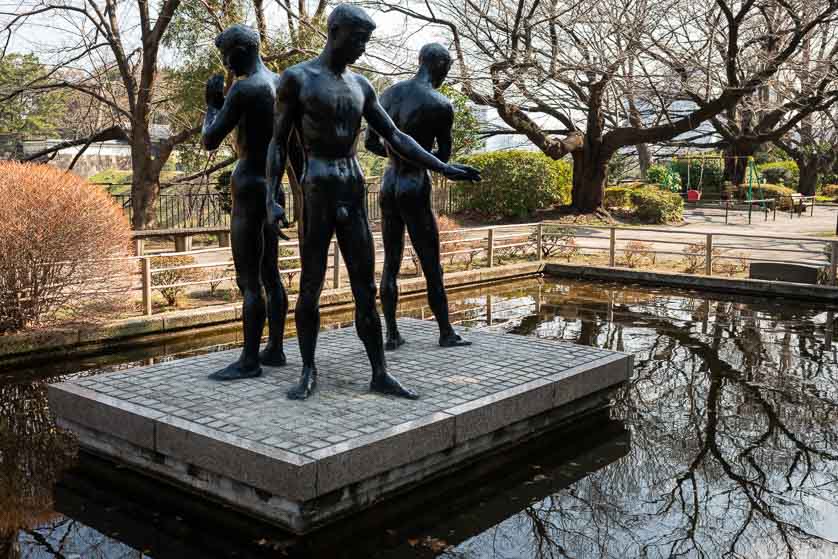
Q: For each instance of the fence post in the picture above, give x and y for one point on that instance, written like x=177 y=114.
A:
x=833 y=263
x=774 y=203
x=708 y=255
x=146 y=264
x=727 y=209
x=336 y=264
x=612 y=248
x=539 y=246
x=812 y=212
x=750 y=210
x=491 y=247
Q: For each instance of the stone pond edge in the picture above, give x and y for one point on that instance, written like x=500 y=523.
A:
x=67 y=339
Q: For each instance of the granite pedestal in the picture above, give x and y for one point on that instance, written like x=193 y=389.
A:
x=303 y=464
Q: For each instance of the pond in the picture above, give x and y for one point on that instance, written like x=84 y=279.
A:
x=723 y=443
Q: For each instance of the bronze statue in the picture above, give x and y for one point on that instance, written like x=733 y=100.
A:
x=426 y=115
x=249 y=107
x=325 y=101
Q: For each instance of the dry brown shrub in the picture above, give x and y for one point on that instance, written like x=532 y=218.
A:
x=168 y=272
x=64 y=245
x=556 y=242
x=694 y=257
x=724 y=262
x=636 y=253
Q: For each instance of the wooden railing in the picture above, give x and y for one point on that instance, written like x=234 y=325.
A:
x=698 y=252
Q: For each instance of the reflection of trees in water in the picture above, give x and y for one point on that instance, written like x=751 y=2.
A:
x=33 y=455
x=733 y=414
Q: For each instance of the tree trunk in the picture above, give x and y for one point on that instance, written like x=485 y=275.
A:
x=590 y=171
x=146 y=165
x=736 y=164
x=808 y=180
x=645 y=159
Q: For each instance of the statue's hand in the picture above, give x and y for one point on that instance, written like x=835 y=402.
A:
x=459 y=172
x=277 y=219
x=215 y=92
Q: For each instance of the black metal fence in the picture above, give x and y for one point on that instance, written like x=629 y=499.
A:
x=211 y=209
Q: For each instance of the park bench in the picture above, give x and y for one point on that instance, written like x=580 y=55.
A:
x=183 y=237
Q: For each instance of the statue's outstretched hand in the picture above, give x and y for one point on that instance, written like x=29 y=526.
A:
x=460 y=172
x=277 y=219
x=215 y=92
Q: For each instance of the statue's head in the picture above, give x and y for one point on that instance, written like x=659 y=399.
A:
x=239 y=45
x=350 y=28
x=436 y=59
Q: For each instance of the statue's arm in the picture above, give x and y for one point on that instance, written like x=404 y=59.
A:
x=222 y=115
x=373 y=141
x=405 y=147
x=444 y=137
x=287 y=105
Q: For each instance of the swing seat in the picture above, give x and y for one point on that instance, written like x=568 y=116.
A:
x=693 y=195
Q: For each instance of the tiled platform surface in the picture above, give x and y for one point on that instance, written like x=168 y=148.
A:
x=299 y=463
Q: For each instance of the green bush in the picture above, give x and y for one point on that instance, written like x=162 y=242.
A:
x=830 y=190
x=664 y=177
x=783 y=173
x=515 y=183
x=618 y=197
x=765 y=191
x=656 y=173
x=653 y=205
x=708 y=180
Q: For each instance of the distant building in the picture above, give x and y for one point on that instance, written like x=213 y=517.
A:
x=98 y=157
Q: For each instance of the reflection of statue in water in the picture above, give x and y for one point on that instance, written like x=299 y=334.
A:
x=325 y=102
x=249 y=107
x=420 y=111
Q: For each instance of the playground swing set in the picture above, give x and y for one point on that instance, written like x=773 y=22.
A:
x=672 y=177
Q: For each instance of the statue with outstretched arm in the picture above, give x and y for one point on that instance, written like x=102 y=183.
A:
x=419 y=110
x=249 y=108
x=325 y=102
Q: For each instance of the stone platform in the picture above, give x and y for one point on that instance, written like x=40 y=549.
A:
x=303 y=464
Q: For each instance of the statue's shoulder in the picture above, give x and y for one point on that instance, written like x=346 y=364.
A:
x=361 y=79
x=442 y=101
x=295 y=72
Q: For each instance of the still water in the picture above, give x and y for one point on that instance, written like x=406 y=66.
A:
x=723 y=444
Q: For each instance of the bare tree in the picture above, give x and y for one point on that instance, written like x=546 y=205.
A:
x=785 y=108
x=613 y=74
x=112 y=49
x=813 y=144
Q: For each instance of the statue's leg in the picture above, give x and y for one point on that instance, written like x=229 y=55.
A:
x=392 y=232
x=247 y=245
x=424 y=235
x=277 y=300
x=318 y=231
x=358 y=249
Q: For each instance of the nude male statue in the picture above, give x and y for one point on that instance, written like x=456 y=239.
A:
x=426 y=115
x=325 y=101
x=250 y=107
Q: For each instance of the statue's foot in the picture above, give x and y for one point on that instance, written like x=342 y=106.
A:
x=386 y=384
x=394 y=342
x=452 y=340
x=236 y=371
x=306 y=385
x=272 y=356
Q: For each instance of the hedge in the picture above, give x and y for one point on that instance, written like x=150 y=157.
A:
x=618 y=197
x=830 y=190
x=784 y=173
x=515 y=183
x=647 y=202
x=770 y=191
x=653 y=205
